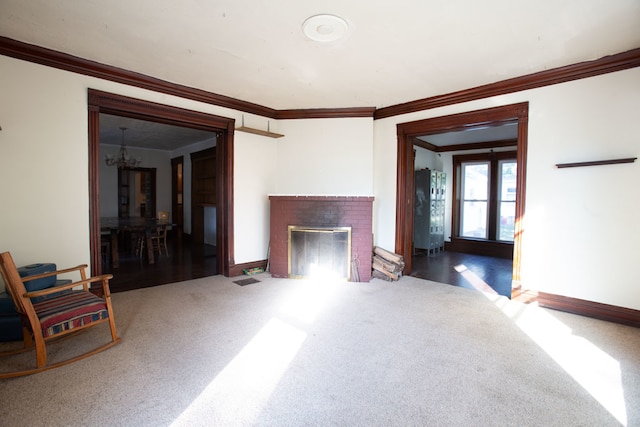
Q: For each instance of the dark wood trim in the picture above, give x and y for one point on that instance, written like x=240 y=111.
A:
x=492 y=248
x=596 y=163
x=521 y=185
x=74 y=64
x=237 y=269
x=607 y=64
x=94 y=190
x=406 y=134
x=51 y=58
x=326 y=113
x=470 y=146
x=404 y=197
x=225 y=194
x=103 y=102
x=121 y=105
x=596 y=310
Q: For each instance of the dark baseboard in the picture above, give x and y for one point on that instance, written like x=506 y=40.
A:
x=596 y=310
x=237 y=269
x=480 y=247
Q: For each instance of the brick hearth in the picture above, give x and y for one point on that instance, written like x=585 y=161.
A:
x=322 y=211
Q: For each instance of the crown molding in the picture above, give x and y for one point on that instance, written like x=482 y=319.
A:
x=326 y=113
x=40 y=55
x=607 y=64
x=74 y=64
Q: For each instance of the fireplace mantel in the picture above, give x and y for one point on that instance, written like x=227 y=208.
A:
x=322 y=211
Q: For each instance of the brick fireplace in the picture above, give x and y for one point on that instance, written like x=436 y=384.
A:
x=322 y=212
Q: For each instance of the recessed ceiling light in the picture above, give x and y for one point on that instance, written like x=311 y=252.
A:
x=325 y=28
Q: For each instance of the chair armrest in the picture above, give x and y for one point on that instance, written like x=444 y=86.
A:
x=53 y=273
x=103 y=278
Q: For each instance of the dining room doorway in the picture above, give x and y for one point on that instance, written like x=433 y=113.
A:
x=107 y=103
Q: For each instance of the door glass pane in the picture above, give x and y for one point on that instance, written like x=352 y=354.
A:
x=507 y=205
x=475 y=183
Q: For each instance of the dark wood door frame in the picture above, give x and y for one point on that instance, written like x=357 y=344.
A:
x=407 y=132
x=103 y=102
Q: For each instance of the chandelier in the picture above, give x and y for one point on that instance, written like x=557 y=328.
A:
x=122 y=160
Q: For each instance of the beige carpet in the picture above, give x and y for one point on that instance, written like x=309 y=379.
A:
x=279 y=352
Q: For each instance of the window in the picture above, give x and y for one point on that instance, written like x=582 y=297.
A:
x=475 y=201
x=486 y=205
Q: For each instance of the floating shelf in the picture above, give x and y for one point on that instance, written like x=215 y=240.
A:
x=596 y=163
x=259 y=132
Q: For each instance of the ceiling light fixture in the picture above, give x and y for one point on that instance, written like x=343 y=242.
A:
x=122 y=160
x=325 y=28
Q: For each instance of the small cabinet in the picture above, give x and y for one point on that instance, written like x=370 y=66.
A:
x=429 y=210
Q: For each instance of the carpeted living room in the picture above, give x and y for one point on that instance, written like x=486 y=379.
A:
x=319 y=213
x=302 y=352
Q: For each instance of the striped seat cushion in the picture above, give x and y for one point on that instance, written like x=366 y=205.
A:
x=69 y=311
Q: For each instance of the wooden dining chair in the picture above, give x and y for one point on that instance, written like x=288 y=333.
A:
x=56 y=312
x=159 y=239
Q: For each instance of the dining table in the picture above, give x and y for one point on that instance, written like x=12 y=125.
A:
x=116 y=226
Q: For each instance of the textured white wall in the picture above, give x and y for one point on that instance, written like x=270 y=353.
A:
x=325 y=157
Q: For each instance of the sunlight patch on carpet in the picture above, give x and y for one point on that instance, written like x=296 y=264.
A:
x=307 y=301
x=595 y=370
x=244 y=386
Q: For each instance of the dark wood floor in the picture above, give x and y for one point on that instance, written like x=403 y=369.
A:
x=185 y=261
x=466 y=270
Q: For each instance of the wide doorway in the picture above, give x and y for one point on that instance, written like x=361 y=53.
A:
x=460 y=256
x=103 y=104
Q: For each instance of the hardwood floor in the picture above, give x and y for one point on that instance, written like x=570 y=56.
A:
x=188 y=261
x=185 y=261
x=466 y=270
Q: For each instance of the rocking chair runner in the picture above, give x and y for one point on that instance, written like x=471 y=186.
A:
x=59 y=311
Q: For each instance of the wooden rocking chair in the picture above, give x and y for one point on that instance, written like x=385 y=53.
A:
x=56 y=312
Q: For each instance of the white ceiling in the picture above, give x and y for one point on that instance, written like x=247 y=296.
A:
x=474 y=135
x=394 y=52
x=149 y=135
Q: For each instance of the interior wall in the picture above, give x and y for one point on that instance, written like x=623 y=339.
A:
x=581 y=237
x=254 y=179
x=427 y=159
x=325 y=157
x=44 y=155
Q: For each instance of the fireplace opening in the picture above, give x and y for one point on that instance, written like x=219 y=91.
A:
x=319 y=252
